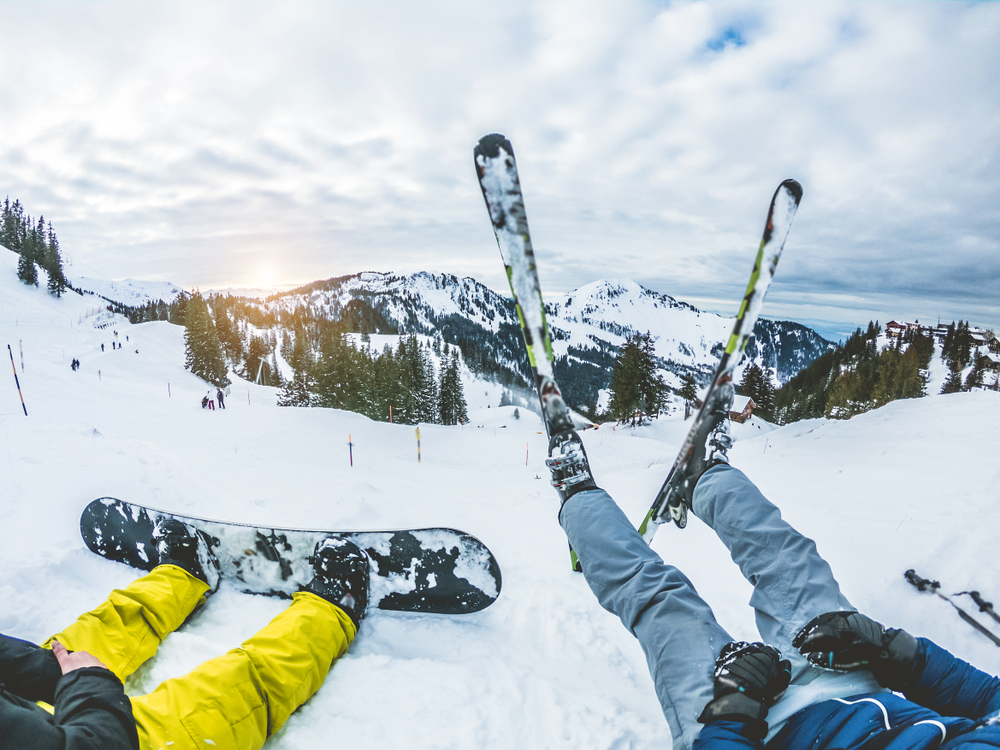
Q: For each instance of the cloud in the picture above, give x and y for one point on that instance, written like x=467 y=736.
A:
x=187 y=141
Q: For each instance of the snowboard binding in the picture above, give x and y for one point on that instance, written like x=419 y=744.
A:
x=341 y=576
x=188 y=549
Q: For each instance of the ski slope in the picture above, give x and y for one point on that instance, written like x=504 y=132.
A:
x=913 y=484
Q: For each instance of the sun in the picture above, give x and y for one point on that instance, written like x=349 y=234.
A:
x=265 y=275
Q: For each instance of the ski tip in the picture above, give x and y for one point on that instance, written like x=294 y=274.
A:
x=490 y=145
x=793 y=187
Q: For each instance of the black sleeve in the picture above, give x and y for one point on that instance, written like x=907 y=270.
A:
x=93 y=710
x=91 y=713
x=28 y=670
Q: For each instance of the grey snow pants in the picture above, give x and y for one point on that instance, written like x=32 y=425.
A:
x=677 y=629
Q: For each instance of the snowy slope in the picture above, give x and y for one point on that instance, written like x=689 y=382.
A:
x=132 y=292
x=910 y=485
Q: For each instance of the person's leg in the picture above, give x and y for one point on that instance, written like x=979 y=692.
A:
x=237 y=700
x=128 y=627
x=656 y=603
x=792 y=583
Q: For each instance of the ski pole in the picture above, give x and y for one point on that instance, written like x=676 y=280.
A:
x=984 y=606
x=16 y=381
x=923 y=584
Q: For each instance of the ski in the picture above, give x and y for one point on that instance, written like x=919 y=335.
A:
x=923 y=584
x=667 y=505
x=497 y=173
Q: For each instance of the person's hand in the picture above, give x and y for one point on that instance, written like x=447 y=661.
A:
x=842 y=641
x=749 y=677
x=848 y=641
x=71 y=660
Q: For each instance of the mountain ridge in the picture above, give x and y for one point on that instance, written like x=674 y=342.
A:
x=587 y=326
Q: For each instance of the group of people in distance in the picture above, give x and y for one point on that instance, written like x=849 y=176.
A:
x=823 y=677
x=207 y=402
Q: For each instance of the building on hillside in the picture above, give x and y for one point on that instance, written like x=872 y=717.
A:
x=742 y=409
x=894 y=330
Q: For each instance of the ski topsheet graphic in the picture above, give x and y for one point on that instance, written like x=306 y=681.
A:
x=436 y=570
x=497 y=173
x=668 y=504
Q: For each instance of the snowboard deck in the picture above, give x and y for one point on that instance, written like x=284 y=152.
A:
x=433 y=570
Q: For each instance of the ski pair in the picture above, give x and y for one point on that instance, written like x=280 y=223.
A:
x=923 y=584
x=498 y=178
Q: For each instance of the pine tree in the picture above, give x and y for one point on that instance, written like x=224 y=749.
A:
x=201 y=344
x=11 y=225
x=298 y=391
x=638 y=392
x=976 y=374
x=229 y=335
x=756 y=384
x=689 y=388
x=452 y=405
x=52 y=263
x=954 y=382
x=27 y=271
x=255 y=361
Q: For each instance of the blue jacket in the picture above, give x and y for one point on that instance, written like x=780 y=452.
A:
x=948 y=704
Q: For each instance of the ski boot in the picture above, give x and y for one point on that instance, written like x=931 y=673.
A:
x=569 y=465
x=341 y=572
x=709 y=447
x=178 y=544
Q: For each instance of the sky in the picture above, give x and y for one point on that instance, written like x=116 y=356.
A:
x=267 y=143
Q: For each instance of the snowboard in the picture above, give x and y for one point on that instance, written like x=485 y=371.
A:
x=435 y=570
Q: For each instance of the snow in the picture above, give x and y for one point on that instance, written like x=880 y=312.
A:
x=910 y=485
x=128 y=291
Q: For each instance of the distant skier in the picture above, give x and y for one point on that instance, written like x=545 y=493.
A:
x=204 y=402
x=222 y=401
x=102 y=348
x=68 y=693
x=716 y=694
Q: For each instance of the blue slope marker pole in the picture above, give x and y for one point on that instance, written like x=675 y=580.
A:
x=16 y=381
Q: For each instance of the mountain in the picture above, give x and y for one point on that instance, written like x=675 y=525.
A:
x=587 y=327
x=131 y=292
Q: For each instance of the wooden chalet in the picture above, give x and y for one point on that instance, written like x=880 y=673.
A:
x=742 y=409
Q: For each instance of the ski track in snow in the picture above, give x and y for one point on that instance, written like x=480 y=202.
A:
x=913 y=484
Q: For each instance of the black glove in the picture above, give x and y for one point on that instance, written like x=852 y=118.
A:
x=848 y=641
x=749 y=677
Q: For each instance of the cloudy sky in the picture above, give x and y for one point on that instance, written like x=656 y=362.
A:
x=261 y=143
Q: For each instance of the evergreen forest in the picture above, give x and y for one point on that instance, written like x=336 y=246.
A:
x=859 y=376
x=411 y=383
x=36 y=243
